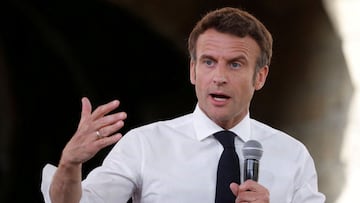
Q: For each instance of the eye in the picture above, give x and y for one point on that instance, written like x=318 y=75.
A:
x=235 y=65
x=208 y=62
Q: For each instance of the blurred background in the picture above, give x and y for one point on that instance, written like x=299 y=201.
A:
x=52 y=53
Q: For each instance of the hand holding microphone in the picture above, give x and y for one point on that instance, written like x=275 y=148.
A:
x=250 y=191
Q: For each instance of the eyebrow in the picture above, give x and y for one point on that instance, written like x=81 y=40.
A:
x=206 y=56
x=239 y=57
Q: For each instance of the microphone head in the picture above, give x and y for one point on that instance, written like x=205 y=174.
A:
x=252 y=150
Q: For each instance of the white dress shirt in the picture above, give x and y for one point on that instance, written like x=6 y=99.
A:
x=175 y=161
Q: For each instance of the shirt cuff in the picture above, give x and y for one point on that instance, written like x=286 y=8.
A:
x=47 y=176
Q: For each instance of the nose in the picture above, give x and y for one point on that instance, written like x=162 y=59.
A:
x=220 y=75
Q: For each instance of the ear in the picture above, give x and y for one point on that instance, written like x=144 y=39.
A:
x=260 y=77
x=192 y=71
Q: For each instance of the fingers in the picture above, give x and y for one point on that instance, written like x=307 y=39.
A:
x=250 y=191
x=96 y=130
x=234 y=187
x=100 y=124
x=105 y=109
x=106 y=141
x=110 y=124
x=86 y=112
x=92 y=121
x=248 y=185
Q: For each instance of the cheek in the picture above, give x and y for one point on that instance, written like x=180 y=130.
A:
x=199 y=85
x=244 y=87
x=199 y=78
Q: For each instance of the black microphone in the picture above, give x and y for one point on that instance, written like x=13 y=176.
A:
x=252 y=152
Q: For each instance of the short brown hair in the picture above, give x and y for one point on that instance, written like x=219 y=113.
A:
x=236 y=22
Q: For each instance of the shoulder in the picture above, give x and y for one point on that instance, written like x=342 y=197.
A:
x=275 y=137
x=158 y=134
x=179 y=123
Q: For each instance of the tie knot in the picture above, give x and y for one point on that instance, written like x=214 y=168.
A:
x=226 y=138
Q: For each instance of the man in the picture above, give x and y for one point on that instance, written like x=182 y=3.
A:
x=177 y=160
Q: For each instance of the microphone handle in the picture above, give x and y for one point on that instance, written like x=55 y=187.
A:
x=251 y=169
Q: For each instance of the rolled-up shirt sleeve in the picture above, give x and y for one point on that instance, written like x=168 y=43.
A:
x=47 y=176
x=116 y=180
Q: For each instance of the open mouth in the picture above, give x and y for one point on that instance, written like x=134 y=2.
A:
x=219 y=97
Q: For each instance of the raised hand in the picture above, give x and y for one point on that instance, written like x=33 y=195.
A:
x=95 y=131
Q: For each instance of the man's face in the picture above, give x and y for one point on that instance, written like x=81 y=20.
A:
x=223 y=75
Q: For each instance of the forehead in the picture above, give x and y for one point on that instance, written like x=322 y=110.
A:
x=214 y=43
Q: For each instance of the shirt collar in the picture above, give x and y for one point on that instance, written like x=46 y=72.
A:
x=205 y=127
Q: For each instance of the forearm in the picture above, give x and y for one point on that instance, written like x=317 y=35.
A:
x=66 y=184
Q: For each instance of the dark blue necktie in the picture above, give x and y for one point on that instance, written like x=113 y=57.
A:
x=228 y=168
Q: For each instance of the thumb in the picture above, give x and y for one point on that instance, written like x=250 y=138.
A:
x=85 y=109
x=234 y=187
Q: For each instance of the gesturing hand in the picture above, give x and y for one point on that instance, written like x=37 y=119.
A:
x=95 y=131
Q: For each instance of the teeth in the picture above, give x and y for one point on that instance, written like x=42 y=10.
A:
x=219 y=99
